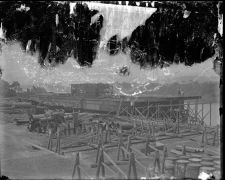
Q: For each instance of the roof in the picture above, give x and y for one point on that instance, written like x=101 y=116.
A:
x=147 y=98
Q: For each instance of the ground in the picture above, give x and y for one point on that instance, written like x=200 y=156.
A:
x=24 y=154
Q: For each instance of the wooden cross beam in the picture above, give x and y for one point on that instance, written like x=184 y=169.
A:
x=114 y=164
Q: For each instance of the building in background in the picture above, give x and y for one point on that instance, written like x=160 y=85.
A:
x=91 y=90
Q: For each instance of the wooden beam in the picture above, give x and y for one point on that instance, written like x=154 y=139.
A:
x=139 y=152
x=76 y=167
x=115 y=165
x=210 y=114
x=110 y=169
x=99 y=165
x=133 y=166
x=84 y=171
x=110 y=164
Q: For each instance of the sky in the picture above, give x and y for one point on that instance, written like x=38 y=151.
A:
x=24 y=68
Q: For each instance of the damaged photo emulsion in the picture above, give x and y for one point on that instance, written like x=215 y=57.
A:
x=117 y=90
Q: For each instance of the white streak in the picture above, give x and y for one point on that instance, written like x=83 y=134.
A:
x=57 y=20
x=28 y=46
x=203 y=176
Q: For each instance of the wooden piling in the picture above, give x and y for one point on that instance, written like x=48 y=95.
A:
x=157 y=111
x=100 y=165
x=202 y=112
x=148 y=110
x=58 y=148
x=210 y=114
x=132 y=165
x=204 y=138
x=68 y=126
x=147 y=145
x=165 y=155
x=193 y=170
x=50 y=141
x=75 y=122
x=178 y=121
x=157 y=161
x=181 y=168
x=129 y=145
x=153 y=129
x=0 y=166
x=76 y=167
x=98 y=149
x=184 y=150
x=148 y=173
x=119 y=148
x=214 y=138
x=196 y=111
x=106 y=132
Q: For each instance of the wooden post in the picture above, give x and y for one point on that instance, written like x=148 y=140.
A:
x=68 y=125
x=132 y=165
x=58 y=141
x=106 y=132
x=157 y=161
x=129 y=145
x=157 y=111
x=153 y=129
x=210 y=114
x=100 y=165
x=196 y=110
x=184 y=150
x=76 y=167
x=147 y=145
x=218 y=134
x=165 y=155
x=98 y=149
x=189 y=119
x=204 y=137
x=202 y=112
x=214 y=138
x=0 y=166
x=148 y=173
x=50 y=141
x=75 y=122
x=119 y=148
x=118 y=110
x=178 y=126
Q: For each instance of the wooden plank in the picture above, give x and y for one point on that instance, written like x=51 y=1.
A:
x=140 y=164
x=115 y=165
x=120 y=162
x=115 y=145
x=84 y=171
x=110 y=169
x=189 y=149
x=139 y=152
x=176 y=152
x=210 y=114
